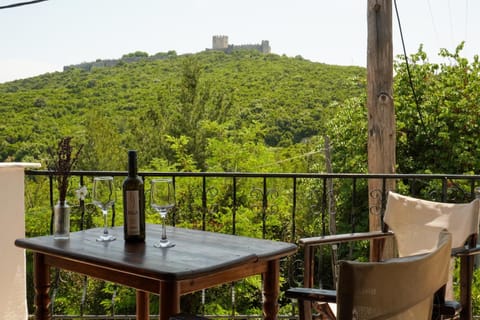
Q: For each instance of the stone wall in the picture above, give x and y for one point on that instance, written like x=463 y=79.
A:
x=218 y=43
x=221 y=43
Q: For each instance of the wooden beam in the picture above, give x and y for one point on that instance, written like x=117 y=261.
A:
x=381 y=113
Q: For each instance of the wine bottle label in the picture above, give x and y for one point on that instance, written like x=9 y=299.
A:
x=133 y=212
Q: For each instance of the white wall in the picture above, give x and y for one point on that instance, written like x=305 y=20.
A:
x=13 y=303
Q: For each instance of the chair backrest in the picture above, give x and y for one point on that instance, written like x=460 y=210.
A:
x=401 y=288
x=417 y=222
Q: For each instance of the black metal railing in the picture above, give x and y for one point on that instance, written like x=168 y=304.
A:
x=278 y=206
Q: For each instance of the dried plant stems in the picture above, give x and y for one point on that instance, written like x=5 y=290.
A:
x=63 y=161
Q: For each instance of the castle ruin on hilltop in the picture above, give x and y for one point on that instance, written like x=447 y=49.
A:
x=221 y=43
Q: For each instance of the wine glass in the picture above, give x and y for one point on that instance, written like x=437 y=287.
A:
x=103 y=197
x=163 y=200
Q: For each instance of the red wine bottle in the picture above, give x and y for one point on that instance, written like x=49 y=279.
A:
x=133 y=202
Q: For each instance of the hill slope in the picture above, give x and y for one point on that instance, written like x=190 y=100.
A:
x=200 y=96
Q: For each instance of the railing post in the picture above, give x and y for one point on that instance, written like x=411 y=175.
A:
x=204 y=203
x=13 y=303
x=234 y=204
x=294 y=209
x=264 y=207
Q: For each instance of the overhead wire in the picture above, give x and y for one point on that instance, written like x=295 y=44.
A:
x=408 y=68
x=18 y=4
x=466 y=20
x=435 y=31
x=310 y=153
x=450 y=20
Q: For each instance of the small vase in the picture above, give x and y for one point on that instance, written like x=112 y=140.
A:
x=61 y=221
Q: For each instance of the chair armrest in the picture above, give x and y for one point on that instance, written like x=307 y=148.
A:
x=449 y=309
x=312 y=294
x=462 y=252
x=347 y=237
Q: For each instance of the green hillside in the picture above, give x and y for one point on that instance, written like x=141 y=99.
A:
x=175 y=108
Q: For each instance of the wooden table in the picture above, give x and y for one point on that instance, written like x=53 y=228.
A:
x=199 y=260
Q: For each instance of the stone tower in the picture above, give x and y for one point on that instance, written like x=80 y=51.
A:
x=220 y=42
x=265 y=47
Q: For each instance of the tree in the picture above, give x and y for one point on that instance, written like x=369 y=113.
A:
x=102 y=149
x=136 y=54
x=438 y=127
x=198 y=103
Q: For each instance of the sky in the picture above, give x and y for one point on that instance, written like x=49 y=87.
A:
x=43 y=37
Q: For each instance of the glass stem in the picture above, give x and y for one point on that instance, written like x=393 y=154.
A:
x=164 y=227
x=105 y=223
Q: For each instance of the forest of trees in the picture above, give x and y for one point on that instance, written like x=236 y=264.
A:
x=174 y=110
x=179 y=112
x=239 y=112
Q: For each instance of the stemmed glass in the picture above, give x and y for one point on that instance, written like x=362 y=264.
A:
x=163 y=200
x=103 y=197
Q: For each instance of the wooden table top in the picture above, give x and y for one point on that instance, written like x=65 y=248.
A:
x=196 y=252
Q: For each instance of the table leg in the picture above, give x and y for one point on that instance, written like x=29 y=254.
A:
x=466 y=270
x=41 y=281
x=169 y=299
x=143 y=310
x=271 y=290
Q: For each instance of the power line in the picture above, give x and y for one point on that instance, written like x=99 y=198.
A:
x=18 y=4
x=408 y=69
x=466 y=20
x=450 y=18
x=310 y=153
x=435 y=31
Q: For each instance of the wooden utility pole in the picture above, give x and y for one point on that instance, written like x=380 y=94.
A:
x=381 y=113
